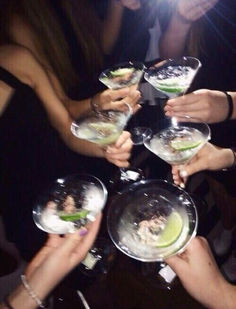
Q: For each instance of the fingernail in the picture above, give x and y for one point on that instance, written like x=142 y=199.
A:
x=183 y=173
x=182 y=185
x=83 y=232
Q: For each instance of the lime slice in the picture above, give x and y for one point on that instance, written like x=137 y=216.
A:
x=73 y=216
x=103 y=126
x=122 y=71
x=171 y=231
x=182 y=145
x=171 y=89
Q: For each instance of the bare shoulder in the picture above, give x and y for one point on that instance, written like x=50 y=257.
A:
x=17 y=60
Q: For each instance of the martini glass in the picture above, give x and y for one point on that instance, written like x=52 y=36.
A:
x=70 y=203
x=151 y=220
x=177 y=140
x=173 y=77
x=102 y=128
x=126 y=74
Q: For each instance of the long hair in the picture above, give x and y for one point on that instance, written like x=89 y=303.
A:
x=48 y=36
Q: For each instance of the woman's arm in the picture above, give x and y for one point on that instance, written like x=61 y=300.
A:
x=210 y=157
x=210 y=106
x=52 y=263
x=21 y=63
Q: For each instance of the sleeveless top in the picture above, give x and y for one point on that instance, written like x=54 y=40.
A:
x=32 y=156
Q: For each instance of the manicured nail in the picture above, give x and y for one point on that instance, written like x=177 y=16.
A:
x=83 y=232
x=183 y=173
x=182 y=185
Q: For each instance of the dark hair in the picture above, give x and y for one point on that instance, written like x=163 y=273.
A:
x=49 y=38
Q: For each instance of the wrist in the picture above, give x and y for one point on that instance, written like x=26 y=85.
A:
x=229 y=158
x=228 y=296
x=181 y=20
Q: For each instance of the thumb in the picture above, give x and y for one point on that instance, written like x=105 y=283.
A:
x=176 y=263
x=191 y=169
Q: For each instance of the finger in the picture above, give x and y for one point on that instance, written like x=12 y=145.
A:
x=124 y=137
x=124 y=156
x=125 y=147
x=191 y=169
x=120 y=163
x=113 y=95
x=83 y=243
x=86 y=243
x=176 y=262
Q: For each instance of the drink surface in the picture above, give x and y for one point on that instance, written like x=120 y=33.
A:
x=156 y=237
x=101 y=133
x=176 y=145
x=120 y=78
x=69 y=213
x=173 y=81
x=102 y=129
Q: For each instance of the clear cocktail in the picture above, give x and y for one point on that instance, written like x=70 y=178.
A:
x=173 y=77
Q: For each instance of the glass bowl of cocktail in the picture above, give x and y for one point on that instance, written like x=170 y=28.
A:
x=103 y=127
x=70 y=203
x=178 y=140
x=173 y=77
x=152 y=220
x=126 y=74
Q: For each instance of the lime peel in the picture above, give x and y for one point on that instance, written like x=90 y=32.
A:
x=172 y=230
x=181 y=145
x=73 y=216
x=122 y=71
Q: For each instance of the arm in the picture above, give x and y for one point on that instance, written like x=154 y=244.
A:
x=21 y=34
x=200 y=276
x=173 y=40
x=210 y=157
x=210 y=106
x=52 y=263
x=22 y=64
x=113 y=21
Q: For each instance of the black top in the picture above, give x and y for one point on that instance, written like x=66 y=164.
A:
x=32 y=156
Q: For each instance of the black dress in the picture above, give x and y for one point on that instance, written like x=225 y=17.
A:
x=32 y=156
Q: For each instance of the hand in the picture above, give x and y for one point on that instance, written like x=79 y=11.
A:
x=111 y=99
x=200 y=275
x=119 y=153
x=206 y=105
x=60 y=255
x=209 y=157
x=191 y=11
x=131 y=4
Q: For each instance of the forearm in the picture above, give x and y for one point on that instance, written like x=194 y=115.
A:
x=81 y=146
x=225 y=298
x=173 y=40
x=77 y=108
x=112 y=25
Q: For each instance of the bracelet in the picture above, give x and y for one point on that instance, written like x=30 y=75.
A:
x=230 y=105
x=6 y=303
x=31 y=292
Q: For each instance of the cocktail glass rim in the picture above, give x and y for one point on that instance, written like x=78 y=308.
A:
x=178 y=251
x=120 y=65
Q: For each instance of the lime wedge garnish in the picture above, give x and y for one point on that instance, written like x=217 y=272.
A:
x=103 y=126
x=171 y=231
x=73 y=216
x=171 y=89
x=181 y=145
x=122 y=71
